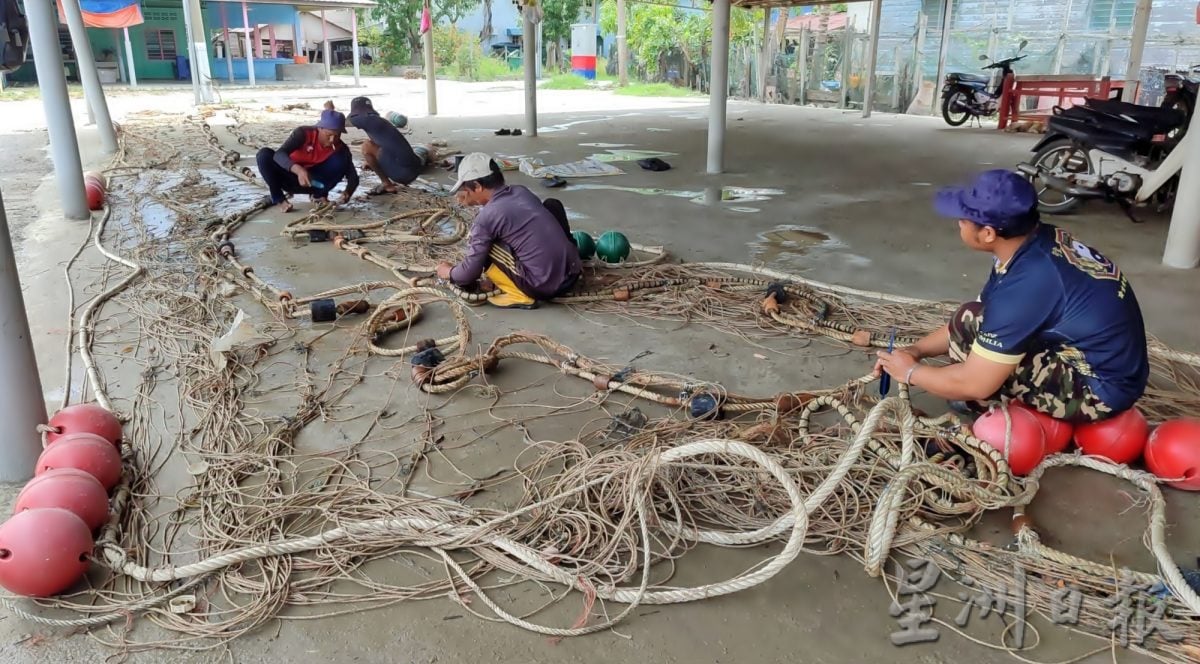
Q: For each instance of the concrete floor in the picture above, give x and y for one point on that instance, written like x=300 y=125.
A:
x=854 y=209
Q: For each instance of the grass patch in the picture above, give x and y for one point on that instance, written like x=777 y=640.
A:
x=602 y=70
x=566 y=82
x=364 y=69
x=655 y=90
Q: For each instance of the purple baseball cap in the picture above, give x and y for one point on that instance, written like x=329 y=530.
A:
x=332 y=120
x=998 y=198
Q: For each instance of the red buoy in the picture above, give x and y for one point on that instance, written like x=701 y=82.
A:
x=1120 y=439
x=1058 y=433
x=1173 y=451
x=70 y=489
x=85 y=418
x=95 y=194
x=43 y=552
x=1028 y=442
x=83 y=451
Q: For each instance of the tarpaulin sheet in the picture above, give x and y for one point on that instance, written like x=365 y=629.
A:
x=107 y=13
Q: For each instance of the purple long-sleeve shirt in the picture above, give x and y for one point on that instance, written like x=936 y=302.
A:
x=517 y=219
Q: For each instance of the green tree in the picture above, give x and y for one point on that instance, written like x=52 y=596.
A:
x=557 y=17
x=655 y=31
x=401 y=19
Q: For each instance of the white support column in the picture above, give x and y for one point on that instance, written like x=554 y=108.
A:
x=249 y=45
x=1183 y=237
x=228 y=53
x=537 y=50
x=22 y=408
x=802 y=65
x=943 y=52
x=872 y=57
x=129 y=59
x=528 y=36
x=189 y=40
x=298 y=47
x=120 y=60
x=88 y=76
x=919 y=54
x=847 y=63
x=430 y=67
x=718 y=90
x=354 y=43
x=764 y=55
x=622 y=44
x=64 y=144
x=201 y=73
x=1137 y=45
x=325 y=46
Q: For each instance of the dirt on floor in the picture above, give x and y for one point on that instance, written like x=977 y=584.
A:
x=817 y=193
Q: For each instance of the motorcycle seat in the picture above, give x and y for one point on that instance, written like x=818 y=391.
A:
x=1084 y=116
x=1085 y=132
x=969 y=78
x=1159 y=119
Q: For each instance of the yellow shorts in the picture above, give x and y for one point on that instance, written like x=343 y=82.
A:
x=510 y=295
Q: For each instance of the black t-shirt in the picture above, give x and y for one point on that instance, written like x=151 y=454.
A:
x=392 y=144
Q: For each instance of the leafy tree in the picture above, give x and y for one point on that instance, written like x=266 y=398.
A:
x=557 y=17
x=655 y=31
x=401 y=36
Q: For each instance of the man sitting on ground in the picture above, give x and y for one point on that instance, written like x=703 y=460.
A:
x=386 y=151
x=311 y=161
x=520 y=244
x=1056 y=327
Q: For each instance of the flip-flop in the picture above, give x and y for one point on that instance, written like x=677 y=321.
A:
x=379 y=190
x=503 y=132
x=554 y=182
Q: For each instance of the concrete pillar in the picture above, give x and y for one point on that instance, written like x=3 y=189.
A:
x=1137 y=44
x=88 y=76
x=872 y=56
x=764 y=54
x=249 y=49
x=537 y=50
x=325 y=46
x=298 y=47
x=228 y=44
x=189 y=52
x=129 y=59
x=943 y=51
x=529 y=31
x=718 y=89
x=271 y=37
x=201 y=73
x=354 y=43
x=622 y=44
x=64 y=144
x=430 y=67
x=22 y=406
x=801 y=95
x=1183 y=237
x=120 y=58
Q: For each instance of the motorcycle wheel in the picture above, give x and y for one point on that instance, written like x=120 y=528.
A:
x=1059 y=157
x=953 y=100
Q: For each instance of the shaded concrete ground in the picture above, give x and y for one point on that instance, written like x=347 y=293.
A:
x=854 y=209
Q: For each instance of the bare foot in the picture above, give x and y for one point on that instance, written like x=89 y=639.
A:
x=285 y=206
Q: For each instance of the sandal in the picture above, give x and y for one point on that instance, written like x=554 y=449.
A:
x=381 y=189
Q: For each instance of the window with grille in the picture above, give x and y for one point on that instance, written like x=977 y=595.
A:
x=160 y=44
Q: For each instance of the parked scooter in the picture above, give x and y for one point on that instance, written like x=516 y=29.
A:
x=1112 y=150
x=966 y=96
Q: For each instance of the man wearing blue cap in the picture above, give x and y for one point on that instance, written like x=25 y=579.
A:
x=1057 y=325
x=311 y=161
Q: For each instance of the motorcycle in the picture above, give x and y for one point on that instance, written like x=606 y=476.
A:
x=1111 y=150
x=966 y=96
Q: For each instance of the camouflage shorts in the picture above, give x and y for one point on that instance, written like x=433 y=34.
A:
x=1044 y=379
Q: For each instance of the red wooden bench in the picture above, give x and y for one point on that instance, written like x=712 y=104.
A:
x=1067 y=90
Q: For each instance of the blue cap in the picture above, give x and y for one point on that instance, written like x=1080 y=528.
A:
x=1000 y=199
x=332 y=120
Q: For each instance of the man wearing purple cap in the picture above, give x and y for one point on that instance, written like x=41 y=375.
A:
x=311 y=161
x=1057 y=325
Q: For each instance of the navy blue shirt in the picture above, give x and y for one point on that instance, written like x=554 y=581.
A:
x=1056 y=293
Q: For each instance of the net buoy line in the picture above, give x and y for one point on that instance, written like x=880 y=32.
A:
x=792 y=438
